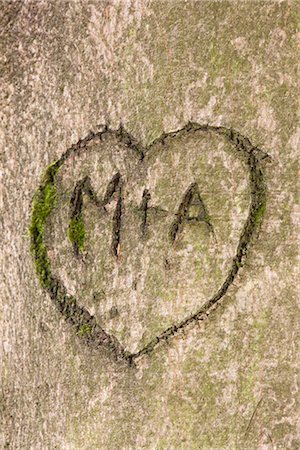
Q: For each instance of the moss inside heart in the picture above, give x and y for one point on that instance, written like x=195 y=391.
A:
x=43 y=205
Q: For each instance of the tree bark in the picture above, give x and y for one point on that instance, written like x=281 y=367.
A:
x=149 y=259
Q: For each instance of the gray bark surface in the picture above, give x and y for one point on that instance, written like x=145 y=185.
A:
x=155 y=353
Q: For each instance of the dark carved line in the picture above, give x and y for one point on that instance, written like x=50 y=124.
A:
x=112 y=187
x=43 y=204
x=183 y=212
x=116 y=232
x=144 y=209
x=76 y=206
x=89 y=191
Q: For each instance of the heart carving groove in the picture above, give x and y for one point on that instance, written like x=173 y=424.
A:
x=44 y=202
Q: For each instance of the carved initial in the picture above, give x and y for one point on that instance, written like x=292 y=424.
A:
x=76 y=226
x=191 y=209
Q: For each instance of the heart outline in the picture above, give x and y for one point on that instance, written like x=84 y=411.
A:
x=44 y=203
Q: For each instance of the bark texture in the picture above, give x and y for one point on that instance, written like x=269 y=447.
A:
x=149 y=185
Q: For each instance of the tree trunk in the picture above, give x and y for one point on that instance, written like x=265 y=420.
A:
x=148 y=292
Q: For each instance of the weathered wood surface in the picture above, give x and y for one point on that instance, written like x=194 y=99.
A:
x=226 y=382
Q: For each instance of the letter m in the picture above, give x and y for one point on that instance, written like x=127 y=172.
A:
x=76 y=231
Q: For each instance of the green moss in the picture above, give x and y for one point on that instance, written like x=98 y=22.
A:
x=76 y=232
x=84 y=330
x=260 y=213
x=43 y=203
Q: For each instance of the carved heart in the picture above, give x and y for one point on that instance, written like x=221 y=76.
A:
x=154 y=235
